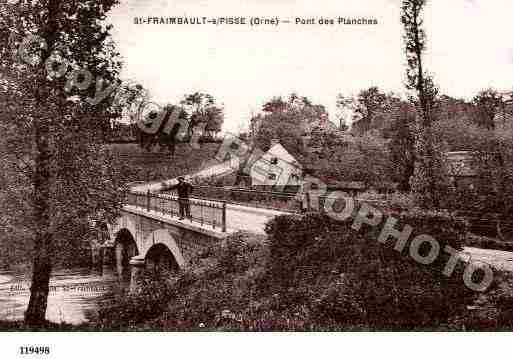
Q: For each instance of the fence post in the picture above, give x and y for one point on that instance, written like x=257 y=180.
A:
x=223 y=225
x=148 y=200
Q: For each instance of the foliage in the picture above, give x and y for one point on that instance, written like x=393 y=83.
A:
x=129 y=310
x=202 y=109
x=370 y=109
x=140 y=165
x=362 y=158
x=387 y=288
x=195 y=110
x=128 y=100
x=164 y=137
x=494 y=161
x=52 y=135
x=492 y=311
x=487 y=102
x=288 y=121
x=430 y=180
x=397 y=201
x=219 y=284
x=283 y=126
x=402 y=146
x=461 y=134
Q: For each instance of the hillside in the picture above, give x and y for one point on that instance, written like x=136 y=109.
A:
x=141 y=165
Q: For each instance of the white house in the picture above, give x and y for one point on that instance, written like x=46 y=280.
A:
x=276 y=168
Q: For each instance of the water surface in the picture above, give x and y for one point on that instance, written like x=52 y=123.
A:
x=74 y=298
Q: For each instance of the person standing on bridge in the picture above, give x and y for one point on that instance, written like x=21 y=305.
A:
x=184 y=189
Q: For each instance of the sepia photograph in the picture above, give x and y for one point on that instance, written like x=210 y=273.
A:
x=245 y=166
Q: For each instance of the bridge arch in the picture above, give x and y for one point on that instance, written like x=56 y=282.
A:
x=160 y=240
x=123 y=222
x=160 y=259
x=125 y=247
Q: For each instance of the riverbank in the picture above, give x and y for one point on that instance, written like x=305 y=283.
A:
x=308 y=275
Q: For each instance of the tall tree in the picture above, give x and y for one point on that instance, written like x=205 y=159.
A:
x=202 y=109
x=69 y=173
x=288 y=122
x=402 y=146
x=430 y=181
x=276 y=104
x=214 y=121
x=494 y=163
x=370 y=108
x=487 y=102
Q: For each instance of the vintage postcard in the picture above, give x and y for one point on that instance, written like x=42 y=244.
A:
x=252 y=166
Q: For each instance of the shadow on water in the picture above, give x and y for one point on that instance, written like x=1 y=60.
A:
x=74 y=298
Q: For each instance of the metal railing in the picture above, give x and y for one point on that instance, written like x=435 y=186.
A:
x=281 y=201
x=200 y=211
x=284 y=201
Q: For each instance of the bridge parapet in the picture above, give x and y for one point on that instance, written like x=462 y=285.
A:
x=204 y=212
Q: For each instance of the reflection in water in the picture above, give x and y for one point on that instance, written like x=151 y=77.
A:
x=74 y=296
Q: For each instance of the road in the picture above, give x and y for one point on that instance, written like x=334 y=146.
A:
x=238 y=217
x=500 y=260
x=216 y=169
x=248 y=218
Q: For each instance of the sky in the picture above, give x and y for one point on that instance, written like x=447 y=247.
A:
x=470 y=48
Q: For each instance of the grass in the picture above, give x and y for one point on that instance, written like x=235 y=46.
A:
x=154 y=166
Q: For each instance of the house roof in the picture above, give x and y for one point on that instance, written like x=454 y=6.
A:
x=279 y=151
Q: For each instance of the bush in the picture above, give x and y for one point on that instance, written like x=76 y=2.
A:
x=382 y=288
x=237 y=255
x=221 y=289
x=129 y=310
x=445 y=228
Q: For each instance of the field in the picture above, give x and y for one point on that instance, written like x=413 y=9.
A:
x=152 y=166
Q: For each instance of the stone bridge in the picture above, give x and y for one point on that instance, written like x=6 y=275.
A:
x=142 y=238
x=149 y=233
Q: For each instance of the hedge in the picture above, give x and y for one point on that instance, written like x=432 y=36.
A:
x=356 y=279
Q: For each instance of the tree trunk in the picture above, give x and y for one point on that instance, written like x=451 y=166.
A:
x=35 y=314
x=404 y=183
x=36 y=311
x=498 y=227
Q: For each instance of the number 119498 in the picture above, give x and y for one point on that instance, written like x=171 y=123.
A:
x=34 y=350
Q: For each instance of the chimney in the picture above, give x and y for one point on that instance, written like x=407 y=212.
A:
x=275 y=141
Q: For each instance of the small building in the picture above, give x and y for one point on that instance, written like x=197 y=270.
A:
x=276 y=169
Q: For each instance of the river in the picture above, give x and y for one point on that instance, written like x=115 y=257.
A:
x=74 y=298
